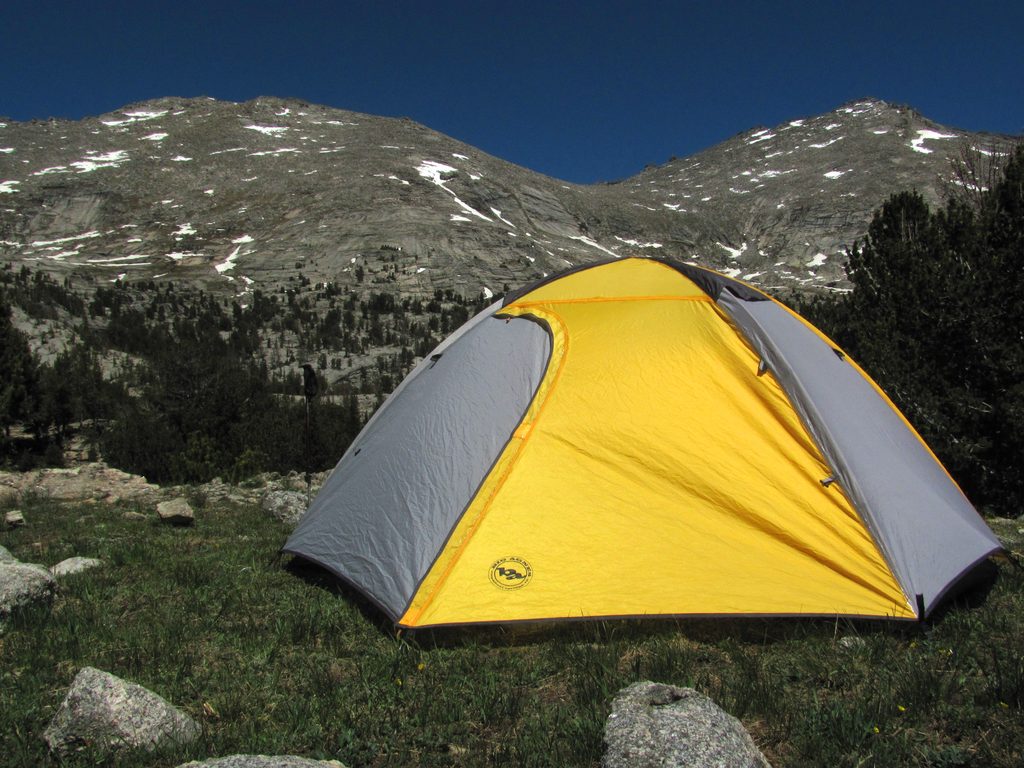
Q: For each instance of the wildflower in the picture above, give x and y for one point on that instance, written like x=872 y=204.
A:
x=901 y=708
x=398 y=681
x=875 y=729
x=421 y=666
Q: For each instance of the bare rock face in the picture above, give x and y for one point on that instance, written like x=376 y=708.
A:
x=661 y=726
x=286 y=506
x=176 y=512
x=263 y=761
x=22 y=584
x=74 y=565
x=103 y=712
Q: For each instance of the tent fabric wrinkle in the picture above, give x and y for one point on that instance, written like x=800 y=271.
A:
x=640 y=437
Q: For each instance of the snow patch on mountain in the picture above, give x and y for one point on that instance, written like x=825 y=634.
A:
x=268 y=130
x=438 y=173
x=73 y=238
x=922 y=136
x=594 y=244
x=637 y=243
x=734 y=253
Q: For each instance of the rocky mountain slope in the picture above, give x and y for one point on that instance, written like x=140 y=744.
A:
x=238 y=197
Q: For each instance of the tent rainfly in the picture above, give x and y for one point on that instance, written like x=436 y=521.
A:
x=641 y=438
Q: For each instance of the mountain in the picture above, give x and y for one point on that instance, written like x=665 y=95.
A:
x=237 y=197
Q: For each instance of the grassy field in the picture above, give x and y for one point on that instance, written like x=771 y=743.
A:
x=273 y=659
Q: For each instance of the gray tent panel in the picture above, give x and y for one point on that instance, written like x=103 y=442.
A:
x=927 y=530
x=385 y=512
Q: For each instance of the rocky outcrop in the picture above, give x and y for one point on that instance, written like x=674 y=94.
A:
x=6 y=556
x=94 y=481
x=263 y=761
x=661 y=726
x=22 y=584
x=108 y=715
x=286 y=506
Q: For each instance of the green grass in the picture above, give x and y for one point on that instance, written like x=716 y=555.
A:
x=274 y=660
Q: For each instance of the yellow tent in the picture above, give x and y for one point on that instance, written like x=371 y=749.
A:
x=640 y=438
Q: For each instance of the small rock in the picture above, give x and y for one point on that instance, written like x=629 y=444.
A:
x=23 y=583
x=263 y=761
x=131 y=514
x=286 y=506
x=74 y=565
x=108 y=714
x=14 y=519
x=851 y=642
x=6 y=556
x=176 y=511
x=661 y=726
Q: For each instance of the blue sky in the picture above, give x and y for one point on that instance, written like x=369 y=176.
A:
x=583 y=91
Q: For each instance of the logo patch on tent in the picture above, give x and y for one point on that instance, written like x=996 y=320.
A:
x=511 y=573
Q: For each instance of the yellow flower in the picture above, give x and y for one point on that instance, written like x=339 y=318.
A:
x=421 y=666
x=901 y=708
x=398 y=681
x=875 y=729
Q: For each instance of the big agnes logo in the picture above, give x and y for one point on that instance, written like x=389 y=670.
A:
x=511 y=573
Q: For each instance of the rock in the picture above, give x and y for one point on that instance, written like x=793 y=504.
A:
x=6 y=556
x=263 y=761
x=108 y=714
x=133 y=515
x=661 y=726
x=851 y=642
x=74 y=565
x=286 y=506
x=22 y=584
x=14 y=519
x=176 y=511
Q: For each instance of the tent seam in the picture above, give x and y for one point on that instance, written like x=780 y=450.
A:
x=561 y=347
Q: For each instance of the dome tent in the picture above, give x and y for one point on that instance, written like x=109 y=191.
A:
x=640 y=438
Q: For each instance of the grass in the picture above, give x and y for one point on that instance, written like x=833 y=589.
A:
x=274 y=659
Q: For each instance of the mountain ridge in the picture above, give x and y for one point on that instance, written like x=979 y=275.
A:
x=159 y=166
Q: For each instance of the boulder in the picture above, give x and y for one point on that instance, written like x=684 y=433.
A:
x=22 y=584
x=263 y=761
x=176 y=511
x=6 y=556
x=74 y=565
x=286 y=506
x=14 y=519
x=108 y=714
x=654 y=725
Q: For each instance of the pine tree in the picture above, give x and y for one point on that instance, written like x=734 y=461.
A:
x=17 y=373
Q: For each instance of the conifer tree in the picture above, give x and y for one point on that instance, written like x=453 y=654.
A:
x=17 y=373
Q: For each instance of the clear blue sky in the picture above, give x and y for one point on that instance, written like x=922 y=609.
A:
x=584 y=91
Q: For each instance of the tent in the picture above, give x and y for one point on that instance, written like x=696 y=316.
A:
x=641 y=438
